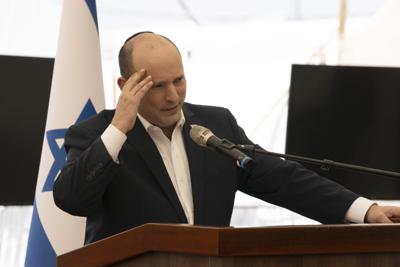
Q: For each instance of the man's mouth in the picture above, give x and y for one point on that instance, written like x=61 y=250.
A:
x=170 y=109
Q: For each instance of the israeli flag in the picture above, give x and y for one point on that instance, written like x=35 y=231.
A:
x=76 y=94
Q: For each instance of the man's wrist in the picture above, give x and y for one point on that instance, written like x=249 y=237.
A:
x=358 y=210
x=113 y=139
x=119 y=126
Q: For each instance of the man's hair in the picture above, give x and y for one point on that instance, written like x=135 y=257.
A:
x=125 y=55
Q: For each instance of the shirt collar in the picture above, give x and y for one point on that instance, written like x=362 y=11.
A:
x=148 y=125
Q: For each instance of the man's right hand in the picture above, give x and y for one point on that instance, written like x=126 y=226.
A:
x=133 y=90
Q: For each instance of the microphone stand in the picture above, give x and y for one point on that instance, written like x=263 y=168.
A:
x=325 y=164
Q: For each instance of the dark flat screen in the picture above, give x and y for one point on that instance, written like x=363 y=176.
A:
x=351 y=115
x=24 y=95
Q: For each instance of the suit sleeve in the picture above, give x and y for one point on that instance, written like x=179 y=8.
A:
x=290 y=185
x=80 y=186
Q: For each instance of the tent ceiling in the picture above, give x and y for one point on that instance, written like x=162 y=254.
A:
x=204 y=12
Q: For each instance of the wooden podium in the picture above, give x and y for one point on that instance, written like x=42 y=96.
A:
x=183 y=245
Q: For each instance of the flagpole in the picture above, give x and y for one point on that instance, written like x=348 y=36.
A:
x=341 y=29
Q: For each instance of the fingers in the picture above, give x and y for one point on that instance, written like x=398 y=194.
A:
x=142 y=87
x=383 y=214
x=383 y=219
x=134 y=89
x=133 y=80
x=393 y=213
x=137 y=83
x=395 y=220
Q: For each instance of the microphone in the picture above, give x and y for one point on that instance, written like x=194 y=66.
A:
x=204 y=137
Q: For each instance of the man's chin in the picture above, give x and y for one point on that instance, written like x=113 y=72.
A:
x=172 y=121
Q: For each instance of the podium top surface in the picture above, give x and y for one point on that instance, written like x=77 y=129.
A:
x=229 y=241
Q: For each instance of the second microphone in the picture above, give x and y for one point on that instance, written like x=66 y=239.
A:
x=204 y=137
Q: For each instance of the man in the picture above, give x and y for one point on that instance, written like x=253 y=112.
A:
x=137 y=164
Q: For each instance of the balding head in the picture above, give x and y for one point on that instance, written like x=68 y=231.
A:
x=140 y=45
x=160 y=59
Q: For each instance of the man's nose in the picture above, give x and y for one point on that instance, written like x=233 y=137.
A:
x=171 y=93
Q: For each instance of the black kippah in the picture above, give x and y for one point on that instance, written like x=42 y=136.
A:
x=136 y=34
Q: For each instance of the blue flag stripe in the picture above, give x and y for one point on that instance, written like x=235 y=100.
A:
x=92 y=7
x=40 y=252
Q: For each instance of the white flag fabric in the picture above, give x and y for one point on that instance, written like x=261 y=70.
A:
x=76 y=94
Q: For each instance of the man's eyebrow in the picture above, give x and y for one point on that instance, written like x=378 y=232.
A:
x=158 y=83
x=162 y=82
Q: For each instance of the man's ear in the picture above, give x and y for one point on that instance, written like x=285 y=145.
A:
x=121 y=82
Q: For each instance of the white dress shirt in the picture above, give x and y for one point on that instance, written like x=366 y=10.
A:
x=174 y=156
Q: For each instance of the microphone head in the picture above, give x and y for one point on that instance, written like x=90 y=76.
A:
x=200 y=134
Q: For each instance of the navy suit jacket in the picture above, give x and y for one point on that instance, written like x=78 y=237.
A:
x=116 y=197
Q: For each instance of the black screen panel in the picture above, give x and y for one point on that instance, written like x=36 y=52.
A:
x=350 y=115
x=24 y=96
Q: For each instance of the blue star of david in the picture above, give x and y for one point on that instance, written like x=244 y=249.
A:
x=59 y=154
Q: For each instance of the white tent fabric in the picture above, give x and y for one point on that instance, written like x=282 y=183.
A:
x=378 y=42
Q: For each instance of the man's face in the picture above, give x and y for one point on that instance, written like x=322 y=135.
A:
x=163 y=102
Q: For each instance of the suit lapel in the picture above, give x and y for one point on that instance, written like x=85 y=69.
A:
x=196 y=158
x=143 y=143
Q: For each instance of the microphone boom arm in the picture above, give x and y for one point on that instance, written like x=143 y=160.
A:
x=325 y=164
